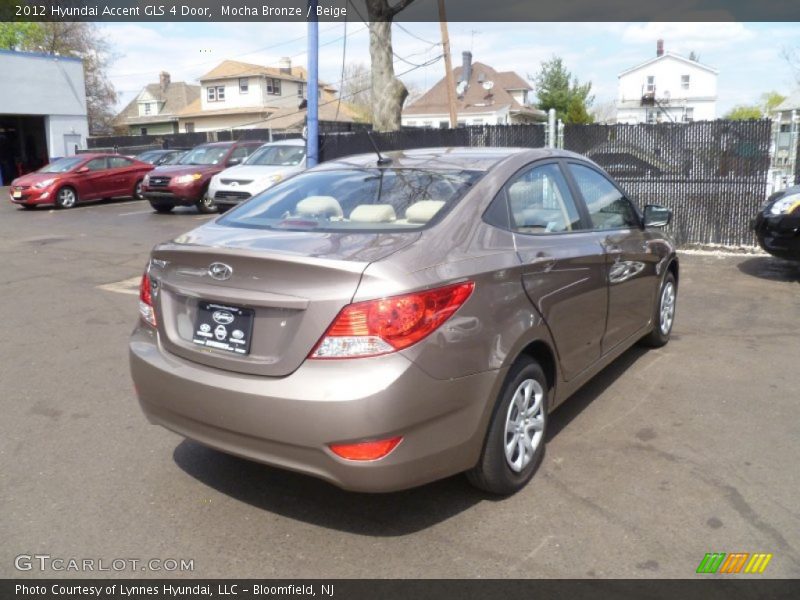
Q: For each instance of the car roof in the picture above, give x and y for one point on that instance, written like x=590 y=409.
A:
x=462 y=158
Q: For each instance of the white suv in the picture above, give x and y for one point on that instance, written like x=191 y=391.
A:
x=269 y=164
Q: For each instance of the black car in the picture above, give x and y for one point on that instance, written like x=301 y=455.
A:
x=161 y=157
x=777 y=224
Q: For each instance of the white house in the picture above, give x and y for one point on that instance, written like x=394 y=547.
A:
x=667 y=88
x=237 y=95
x=484 y=96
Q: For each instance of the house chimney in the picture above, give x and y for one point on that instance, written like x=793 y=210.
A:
x=285 y=65
x=660 y=48
x=163 y=80
x=466 y=65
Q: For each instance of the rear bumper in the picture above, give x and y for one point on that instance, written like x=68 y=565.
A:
x=289 y=421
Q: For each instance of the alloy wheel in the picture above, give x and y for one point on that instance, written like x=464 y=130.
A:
x=667 y=308
x=66 y=198
x=524 y=424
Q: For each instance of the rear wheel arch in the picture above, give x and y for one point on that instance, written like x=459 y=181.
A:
x=542 y=353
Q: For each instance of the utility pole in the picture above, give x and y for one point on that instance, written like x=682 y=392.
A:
x=451 y=84
x=312 y=91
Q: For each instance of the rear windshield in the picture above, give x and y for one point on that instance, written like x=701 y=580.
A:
x=277 y=156
x=355 y=200
x=205 y=155
x=62 y=165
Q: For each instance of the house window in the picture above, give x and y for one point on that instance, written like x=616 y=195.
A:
x=147 y=108
x=273 y=87
x=188 y=127
x=244 y=85
x=651 y=84
x=143 y=131
x=684 y=82
x=651 y=116
x=427 y=123
x=688 y=114
x=216 y=93
x=301 y=90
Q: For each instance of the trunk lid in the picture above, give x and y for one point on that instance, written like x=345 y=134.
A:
x=295 y=283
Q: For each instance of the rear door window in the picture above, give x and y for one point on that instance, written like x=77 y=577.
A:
x=356 y=200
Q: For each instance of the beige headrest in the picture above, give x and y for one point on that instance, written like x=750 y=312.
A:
x=423 y=211
x=325 y=206
x=373 y=213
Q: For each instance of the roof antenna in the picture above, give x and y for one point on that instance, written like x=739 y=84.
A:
x=382 y=160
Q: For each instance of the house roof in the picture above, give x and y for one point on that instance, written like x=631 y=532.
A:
x=672 y=55
x=228 y=69
x=277 y=118
x=294 y=119
x=476 y=100
x=792 y=102
x=172 y=100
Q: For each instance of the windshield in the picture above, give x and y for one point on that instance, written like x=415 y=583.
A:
x=62 y=165
x=277 y=156
x=355 y=200
x=205 y=155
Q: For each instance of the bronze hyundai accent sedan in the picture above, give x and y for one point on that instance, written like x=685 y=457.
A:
x=382 y=322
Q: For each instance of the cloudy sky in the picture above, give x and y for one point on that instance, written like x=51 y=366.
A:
x=747 y=55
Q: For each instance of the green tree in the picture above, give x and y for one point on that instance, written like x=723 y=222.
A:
x=557 y=88
x=744 y=112
x=770 y=101
x=15 y=36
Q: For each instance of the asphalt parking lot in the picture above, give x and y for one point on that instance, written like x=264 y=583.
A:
x=667 y=455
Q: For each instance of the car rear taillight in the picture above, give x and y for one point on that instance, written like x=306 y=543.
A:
x=386 y=325
x=373 y=450
x=146 y=300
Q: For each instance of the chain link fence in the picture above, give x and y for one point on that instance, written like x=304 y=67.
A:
x=712 y=174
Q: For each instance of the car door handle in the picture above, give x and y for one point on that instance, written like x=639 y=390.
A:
x=544 y=261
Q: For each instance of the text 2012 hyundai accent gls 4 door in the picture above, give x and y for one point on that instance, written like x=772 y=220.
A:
x=384 y=325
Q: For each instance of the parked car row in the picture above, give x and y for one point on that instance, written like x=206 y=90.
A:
x=212 y=176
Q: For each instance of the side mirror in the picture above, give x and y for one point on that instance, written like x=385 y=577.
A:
x=83 y=170
x=657 y=216
x=234 y=161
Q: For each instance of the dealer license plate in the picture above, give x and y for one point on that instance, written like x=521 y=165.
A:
x=223 y=327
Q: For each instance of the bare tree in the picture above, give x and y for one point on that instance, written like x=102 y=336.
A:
x=357 y=89
x=604 y=113
x=792 y=57
x=388 y=92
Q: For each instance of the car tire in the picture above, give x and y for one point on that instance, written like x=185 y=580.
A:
x=162 y=207
x=664 y=313
x=206 y=205
x=514 y=445
x=137 y=191
x=223 y=208
x=66 y=197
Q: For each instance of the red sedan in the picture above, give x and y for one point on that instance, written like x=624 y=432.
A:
x=67 y=181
